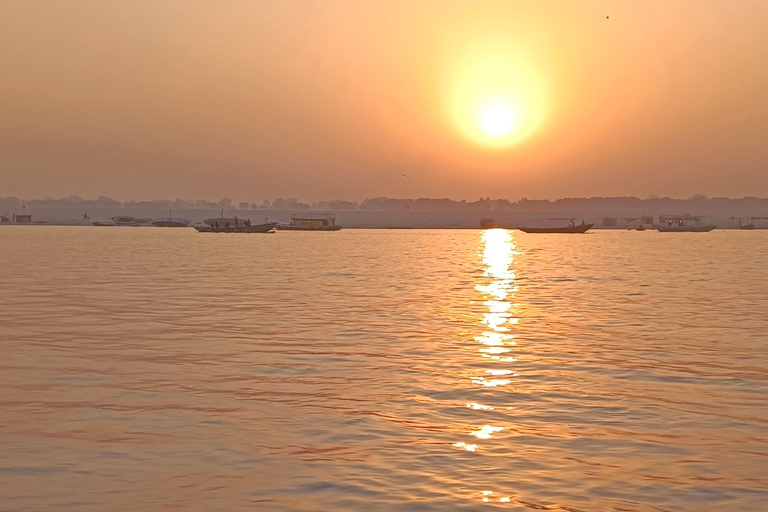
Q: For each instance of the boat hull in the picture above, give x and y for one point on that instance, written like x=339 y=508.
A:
x=170 y=223
x=685 y=229
x=259 y=228
x=582 y=228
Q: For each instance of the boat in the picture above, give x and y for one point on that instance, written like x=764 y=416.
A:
x=749 y=222
x=170 y=222
x=683 y=223
x=569 y=228
x=242 y=227
x=311 y=222
x=128 y=220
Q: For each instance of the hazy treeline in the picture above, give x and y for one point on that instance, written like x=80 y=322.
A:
x=697 y=203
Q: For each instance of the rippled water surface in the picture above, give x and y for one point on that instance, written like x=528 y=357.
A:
x=152 y=369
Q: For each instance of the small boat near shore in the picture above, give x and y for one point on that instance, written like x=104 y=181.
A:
x=571 y=227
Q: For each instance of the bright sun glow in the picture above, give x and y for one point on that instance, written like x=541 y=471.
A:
x=498 y=120
x=497 y=95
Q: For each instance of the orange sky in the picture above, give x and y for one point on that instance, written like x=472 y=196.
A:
x=339 y=99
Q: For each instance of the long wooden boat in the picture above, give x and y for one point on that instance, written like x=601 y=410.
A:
x=258 y=228
x=580 y=228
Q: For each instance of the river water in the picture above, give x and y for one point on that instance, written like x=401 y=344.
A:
x=148 y=369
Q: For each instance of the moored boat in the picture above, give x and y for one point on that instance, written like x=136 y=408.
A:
x=243 y=227
x=129 y=220
x=749 y=222
x=569 y=228
x=683 y=223
x=170 y=222
x=311 y=222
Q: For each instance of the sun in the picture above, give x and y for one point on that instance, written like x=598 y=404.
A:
x=498 y=120
x=496 y=94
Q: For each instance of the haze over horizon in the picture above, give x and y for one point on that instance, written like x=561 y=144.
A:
x=339 y=99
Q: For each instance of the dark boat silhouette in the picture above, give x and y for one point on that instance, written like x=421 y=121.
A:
x=240 y=228
x=570 y=228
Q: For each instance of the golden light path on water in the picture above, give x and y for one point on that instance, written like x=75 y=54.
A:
x=496 y=341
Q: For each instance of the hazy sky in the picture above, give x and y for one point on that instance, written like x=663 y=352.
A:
x=352 y=99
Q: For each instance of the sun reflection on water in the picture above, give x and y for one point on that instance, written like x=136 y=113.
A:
x=496 y=340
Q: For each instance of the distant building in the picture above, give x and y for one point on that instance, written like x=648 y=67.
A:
x=22 y=219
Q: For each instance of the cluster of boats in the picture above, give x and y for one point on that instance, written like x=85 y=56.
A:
x=314 y=221
x=299 y=222
x=127 y=220
x=666 y=223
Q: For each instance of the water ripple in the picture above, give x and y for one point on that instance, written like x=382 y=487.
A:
x=382 y=370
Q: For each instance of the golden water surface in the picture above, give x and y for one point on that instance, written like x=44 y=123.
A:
x=152 y=369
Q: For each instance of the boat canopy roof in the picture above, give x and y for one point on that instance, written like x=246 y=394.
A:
x=171 y=219
x=685 y=216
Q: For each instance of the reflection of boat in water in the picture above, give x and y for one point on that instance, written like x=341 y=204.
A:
x=683 y=223
x=569 y=228
x=240 y=227
x=311 y=222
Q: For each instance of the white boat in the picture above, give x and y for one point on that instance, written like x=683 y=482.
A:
x=308 y=221
x=683 y=223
